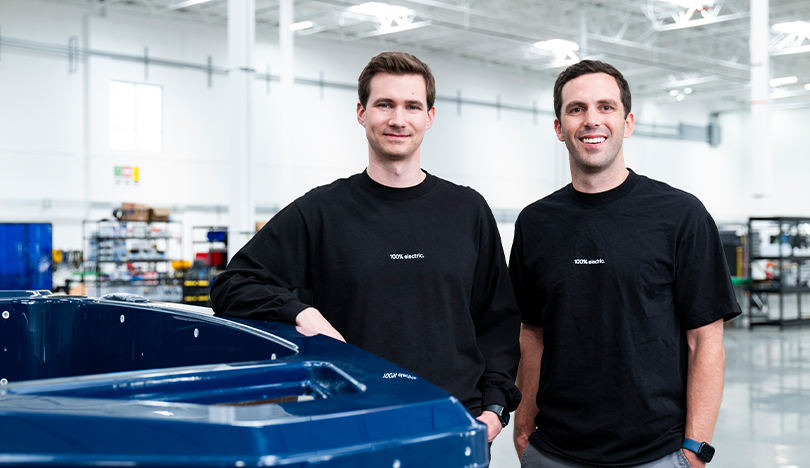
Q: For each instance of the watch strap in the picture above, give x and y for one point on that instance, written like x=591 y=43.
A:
x=500 y=411
x=691 y=445
x=703 y=450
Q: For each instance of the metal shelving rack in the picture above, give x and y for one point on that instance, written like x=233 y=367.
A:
x=146 y=246
x=783 y=258
x=212 y=241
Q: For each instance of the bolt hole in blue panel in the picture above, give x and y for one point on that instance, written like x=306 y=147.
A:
x=26 y=253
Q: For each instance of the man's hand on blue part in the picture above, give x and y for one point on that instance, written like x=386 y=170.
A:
x=310 y=319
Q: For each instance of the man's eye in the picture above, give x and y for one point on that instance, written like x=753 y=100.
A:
x=576 y=110
x=383 y=104
x=607 y=108
x=413 y=107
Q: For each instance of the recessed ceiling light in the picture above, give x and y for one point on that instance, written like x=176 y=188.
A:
x=380 y=9
x=691 y=3
x=301 y=25
x=776 y=82
x=186 y=4
x=673 y=92
x=687 y=90
x=792 y=27
x=679 y=97
x=807 y=86
x=557 y=45
x=563 y=50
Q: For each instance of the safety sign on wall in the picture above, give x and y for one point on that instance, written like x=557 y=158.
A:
x=127 y=175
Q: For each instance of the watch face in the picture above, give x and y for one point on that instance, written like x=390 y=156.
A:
x=706 y=452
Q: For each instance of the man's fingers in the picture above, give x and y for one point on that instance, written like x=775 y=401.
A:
x=312 y=320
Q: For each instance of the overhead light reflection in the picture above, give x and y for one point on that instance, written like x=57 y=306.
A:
x=563 y=50
x=776 y=82
x=301 y=25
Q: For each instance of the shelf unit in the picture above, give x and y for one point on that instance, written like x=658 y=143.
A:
x=779 y=265
x=133 y=257
x=209 y=244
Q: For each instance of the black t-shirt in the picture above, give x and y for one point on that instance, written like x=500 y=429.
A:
x=615 y=279
x=416 y=275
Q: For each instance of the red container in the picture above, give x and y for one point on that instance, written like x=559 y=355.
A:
x=217 y=258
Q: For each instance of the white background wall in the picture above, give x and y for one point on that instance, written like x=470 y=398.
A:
x=57 y=165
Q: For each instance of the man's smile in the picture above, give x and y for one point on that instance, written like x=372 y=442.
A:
x=593 y=139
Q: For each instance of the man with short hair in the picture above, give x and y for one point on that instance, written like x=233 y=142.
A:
x=623 y=289
x=400 y=262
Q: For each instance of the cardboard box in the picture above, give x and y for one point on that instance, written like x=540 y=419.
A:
x=134 y=212
x=159 y=214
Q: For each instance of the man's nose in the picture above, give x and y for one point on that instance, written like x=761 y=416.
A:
x=397 y=117
x=593 y=118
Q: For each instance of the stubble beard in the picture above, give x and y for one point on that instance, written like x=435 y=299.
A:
x=585 y=164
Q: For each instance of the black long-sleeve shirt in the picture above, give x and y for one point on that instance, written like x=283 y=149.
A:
x=416 y=275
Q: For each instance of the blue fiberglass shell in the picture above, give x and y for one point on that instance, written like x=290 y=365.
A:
x=106 y=383
x=26 y=252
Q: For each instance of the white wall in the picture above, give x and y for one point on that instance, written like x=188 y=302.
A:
x=54 y=124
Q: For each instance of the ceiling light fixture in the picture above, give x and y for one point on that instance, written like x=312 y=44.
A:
x=691 y=3
x=673 y=92
x=687 y=90
x=684 y=19
x=563 y=50
x=301 y=25
x=679 y=97
x=776 y=82
x=185 y=4
x=388 y=15
x=807 y=87
x=797 y=32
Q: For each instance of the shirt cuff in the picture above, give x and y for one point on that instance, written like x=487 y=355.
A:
x=289 y=311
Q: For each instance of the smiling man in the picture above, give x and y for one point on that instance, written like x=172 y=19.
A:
x=623 y=288
x=400 y=262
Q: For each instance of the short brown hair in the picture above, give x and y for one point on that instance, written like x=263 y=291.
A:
x=586 y=67
x=395 y=63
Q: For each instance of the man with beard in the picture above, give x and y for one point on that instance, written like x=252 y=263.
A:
x=623 y=289
x=400 y=262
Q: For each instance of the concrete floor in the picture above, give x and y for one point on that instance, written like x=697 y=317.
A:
x=765 y=417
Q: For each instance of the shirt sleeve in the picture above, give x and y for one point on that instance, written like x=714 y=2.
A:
x=497 y=321
x=703 y=290
x=530 y=299
x=257 y=282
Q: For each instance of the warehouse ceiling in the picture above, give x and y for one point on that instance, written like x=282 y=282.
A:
x=668 y=49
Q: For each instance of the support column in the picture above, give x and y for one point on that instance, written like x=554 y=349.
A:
x=286 y=145
x=241 y=42
x=762 y=157
x=583 y=34
x=87 y=160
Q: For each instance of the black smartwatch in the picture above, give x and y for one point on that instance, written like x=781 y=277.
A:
x=503 y=415
x=703 y=450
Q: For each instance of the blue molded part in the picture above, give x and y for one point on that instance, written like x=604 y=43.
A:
x=26 y=256
x=111 y=383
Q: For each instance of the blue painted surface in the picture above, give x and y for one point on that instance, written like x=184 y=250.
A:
x=106 y=383
x=26 y=256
